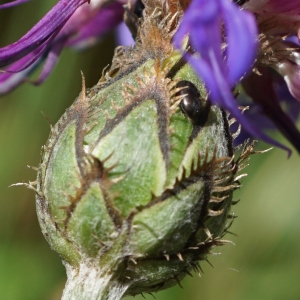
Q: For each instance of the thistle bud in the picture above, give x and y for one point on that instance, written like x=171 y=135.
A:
x=136 y=179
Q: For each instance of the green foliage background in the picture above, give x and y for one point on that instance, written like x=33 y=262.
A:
x=263 y=264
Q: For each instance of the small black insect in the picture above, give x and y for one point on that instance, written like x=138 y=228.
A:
x=240 y=2
x=191 y=105
x=138 y=8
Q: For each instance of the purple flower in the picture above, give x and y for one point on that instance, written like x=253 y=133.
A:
x=278 y=22
x=279 y=26
x=68 y=23
x=225 y=39
x=268 y=93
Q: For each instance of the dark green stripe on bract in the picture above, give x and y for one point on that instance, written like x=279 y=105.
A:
x=156 y=229
x=62 y=175
x=104 y=104
x=91 y=221
x=133 y=147
x=210 y=137
x=181 y=129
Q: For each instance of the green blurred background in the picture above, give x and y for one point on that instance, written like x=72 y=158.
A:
x=263 y=264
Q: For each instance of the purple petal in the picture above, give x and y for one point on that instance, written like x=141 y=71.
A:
x=261 y=90
x=42 y=33
x=293 y=39
x=202 y=22
x=227 y=101
x=107 y=18
x=248 y=124
x=34 y=56
x=123 y=35
x=291 y=74
x=205 y=30
x=207 y=74
x=291 y=105
x=51 y=60
x=254 y=112
x=11 y=4
x=241 y=37
x=9 y=81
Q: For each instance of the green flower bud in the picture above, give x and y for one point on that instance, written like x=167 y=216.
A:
x=136 y=180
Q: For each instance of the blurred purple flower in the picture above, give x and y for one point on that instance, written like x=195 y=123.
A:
x=221 y=69
x=279 y=27
x=225 y=40
x=74 y=23
x=278 y=22
x=273 y=106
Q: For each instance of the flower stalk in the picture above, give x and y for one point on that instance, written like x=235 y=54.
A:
x=98 y=279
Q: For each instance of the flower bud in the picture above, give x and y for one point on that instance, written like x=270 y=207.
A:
x=134 y=188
